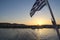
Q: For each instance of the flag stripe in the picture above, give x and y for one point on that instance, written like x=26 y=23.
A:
x=39 y=8
x=32 y=13
x=41 y=5
x=38 y=5
x=35 y=7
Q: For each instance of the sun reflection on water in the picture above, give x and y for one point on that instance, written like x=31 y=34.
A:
x=47 y=34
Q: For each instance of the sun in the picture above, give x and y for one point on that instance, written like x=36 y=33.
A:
x=40 y=22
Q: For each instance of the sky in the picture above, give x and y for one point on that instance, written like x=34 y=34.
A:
x=18 y=11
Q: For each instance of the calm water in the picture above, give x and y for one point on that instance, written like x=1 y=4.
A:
x=28 y=34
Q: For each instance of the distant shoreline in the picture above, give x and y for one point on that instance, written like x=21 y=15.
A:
x=9 y=25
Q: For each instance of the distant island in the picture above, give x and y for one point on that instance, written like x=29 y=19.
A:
x=14 y=25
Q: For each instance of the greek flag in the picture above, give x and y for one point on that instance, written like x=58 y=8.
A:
x=38 y=5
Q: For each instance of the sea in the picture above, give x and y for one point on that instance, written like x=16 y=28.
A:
x=28 y=34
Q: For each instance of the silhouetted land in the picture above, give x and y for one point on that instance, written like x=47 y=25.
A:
x=9 y=25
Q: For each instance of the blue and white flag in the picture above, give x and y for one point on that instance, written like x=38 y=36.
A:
x=38 y=5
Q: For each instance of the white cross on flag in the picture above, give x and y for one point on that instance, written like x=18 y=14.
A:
x=38 y=5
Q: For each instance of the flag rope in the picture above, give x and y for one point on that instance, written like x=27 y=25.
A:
x=53 y=21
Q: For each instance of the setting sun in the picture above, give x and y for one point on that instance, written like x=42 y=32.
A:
x=40 y=22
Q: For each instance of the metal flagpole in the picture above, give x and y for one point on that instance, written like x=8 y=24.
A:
x=53 y=21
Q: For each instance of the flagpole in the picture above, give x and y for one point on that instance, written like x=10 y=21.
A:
x=53 y=21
